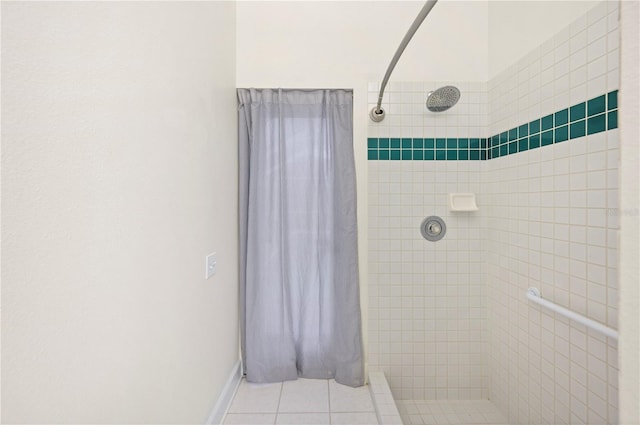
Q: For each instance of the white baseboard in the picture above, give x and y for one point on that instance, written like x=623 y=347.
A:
x=224 y=401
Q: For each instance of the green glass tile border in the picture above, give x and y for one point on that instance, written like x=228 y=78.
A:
x=427 y=149
x=593 y=116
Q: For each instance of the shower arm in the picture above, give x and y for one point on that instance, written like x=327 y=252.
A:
x=377 y=113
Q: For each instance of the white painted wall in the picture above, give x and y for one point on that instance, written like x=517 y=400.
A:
x=119 y=157
x=306 y=44
x=518 y=26
x=629 y=349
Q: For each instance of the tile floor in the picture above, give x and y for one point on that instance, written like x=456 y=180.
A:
x=449 y=412
x=301 y=402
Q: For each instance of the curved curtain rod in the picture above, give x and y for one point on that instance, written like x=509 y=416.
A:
x=377 y=113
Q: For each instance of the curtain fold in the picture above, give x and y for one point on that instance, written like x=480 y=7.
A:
x=300 y=304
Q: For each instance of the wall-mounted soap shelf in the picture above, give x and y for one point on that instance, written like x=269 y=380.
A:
x=462 y=202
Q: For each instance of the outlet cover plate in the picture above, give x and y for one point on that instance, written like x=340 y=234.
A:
x=211 y=265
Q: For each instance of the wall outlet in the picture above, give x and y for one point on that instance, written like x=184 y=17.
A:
x=211 y=265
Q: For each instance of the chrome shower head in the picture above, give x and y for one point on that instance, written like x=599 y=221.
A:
x=442 y=99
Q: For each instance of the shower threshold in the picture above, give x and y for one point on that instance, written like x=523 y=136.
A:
x=430 y=412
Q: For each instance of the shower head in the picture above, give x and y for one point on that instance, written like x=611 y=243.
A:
x=442 y=99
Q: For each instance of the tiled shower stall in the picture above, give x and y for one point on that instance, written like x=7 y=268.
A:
x=538 y=145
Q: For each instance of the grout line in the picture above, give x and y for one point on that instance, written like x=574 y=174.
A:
x=329 y=400
x=279 y=400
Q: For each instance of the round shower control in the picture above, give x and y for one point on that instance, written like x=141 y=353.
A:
x=433 y=228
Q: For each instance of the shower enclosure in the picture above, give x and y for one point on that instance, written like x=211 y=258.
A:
x=538 y=145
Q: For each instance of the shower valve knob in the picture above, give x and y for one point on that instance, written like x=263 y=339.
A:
x=433 y=228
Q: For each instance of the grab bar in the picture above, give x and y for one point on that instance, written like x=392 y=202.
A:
x=533 y=294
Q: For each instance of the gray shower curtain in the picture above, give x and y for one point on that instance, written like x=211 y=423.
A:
x=300 y=306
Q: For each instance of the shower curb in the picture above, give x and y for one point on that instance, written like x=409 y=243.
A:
x=386 y=409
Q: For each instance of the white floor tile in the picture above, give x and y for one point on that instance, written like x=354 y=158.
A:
x=305 y=396
x=414 y=420
x=348 y=399
x=441 y=419
x=428 y=419
x=250 y=419
x=476 y=418
x=360 y=418
x=466 y=418
x=450 y=412
x=494 y=417
x=423 y=408
x=387 y=409
x=408 y=406
x=391 y=420
x=453 y=419
x=303 y=419
x=256 y=398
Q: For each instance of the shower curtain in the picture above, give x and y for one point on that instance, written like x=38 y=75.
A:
x=299 y=295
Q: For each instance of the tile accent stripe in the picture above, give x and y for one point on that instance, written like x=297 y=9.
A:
x=590 y=117
x=427 y=149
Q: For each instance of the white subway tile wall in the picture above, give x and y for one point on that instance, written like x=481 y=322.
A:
x=449 y=319
x=579 y=63
x=552 y=223
x=427 y=309
x=427 y=312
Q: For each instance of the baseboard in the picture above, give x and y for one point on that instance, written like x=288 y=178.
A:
x=224 y=401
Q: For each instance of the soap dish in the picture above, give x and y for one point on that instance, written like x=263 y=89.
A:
x=462 y=202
